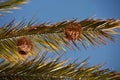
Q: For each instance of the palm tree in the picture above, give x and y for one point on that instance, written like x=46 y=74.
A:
x=23 y=46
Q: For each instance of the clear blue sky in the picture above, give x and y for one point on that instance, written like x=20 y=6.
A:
x=58 y=10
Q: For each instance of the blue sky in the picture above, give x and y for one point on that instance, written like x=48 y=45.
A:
x=58 y=10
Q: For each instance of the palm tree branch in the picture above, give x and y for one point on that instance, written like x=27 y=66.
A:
x=52 y=37
x=5 y=6
x=42 y=68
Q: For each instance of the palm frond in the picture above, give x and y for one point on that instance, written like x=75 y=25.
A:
x=96 y=31
x=7 y=5
x=43 y=68
x=54 y=37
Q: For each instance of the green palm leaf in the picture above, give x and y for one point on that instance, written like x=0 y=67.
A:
x=52 y=37
x=43 y=68
x=6 y=5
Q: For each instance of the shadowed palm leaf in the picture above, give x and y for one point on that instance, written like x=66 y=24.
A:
x=43 y=68
x=6 y=5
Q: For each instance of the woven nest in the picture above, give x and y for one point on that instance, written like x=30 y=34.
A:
x=24 y=45
x=73 y=31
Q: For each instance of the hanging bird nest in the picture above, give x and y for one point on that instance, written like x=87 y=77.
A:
x=73 y=31
x=25 y=45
